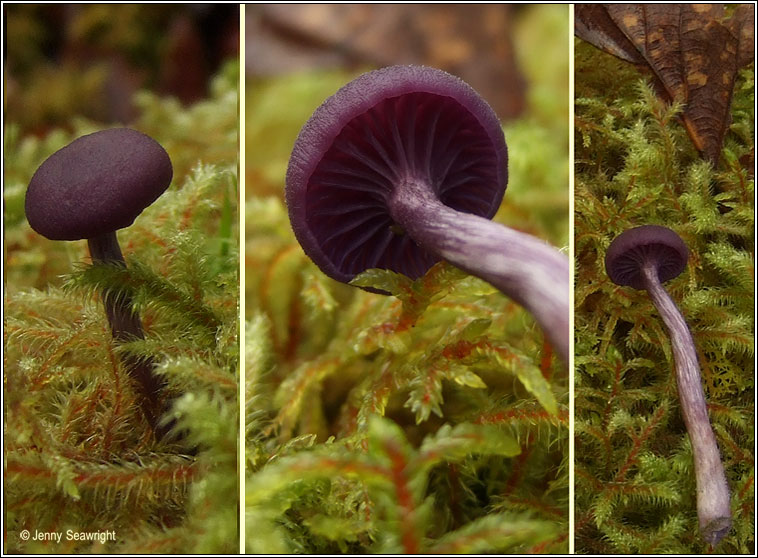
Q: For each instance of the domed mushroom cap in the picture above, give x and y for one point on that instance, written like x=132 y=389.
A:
x=631 y=249
x=388 y=126
x=97 y=184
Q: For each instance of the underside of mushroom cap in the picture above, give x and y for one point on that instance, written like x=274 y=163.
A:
x=388 y=126
x=649 y=243
x=97 y=184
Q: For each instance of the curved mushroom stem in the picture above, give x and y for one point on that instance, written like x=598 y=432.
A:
x=523 y=267
x=126 y=326
x=713 y=510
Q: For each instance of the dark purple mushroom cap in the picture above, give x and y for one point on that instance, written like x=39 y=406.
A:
x=97 y=184
x=387 y=126
x=630 y=249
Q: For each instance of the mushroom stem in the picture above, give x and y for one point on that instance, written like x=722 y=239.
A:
x=523 y=267
x=126 y=326
x=713 y=509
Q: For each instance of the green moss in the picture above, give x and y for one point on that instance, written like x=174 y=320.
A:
x=635 y=489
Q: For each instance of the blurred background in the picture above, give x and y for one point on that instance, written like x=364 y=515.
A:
x=472 y=42
x=88 y=60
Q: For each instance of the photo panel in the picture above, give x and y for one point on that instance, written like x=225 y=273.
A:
x=406 y=316
x=121 y=290
x=664 y=279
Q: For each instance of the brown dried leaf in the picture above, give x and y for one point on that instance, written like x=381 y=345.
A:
x=741 y=25
x=654 y=31
x=662 y=48
x=630 y=19
x=593 y=24
x=709 y=57
x=693 y=54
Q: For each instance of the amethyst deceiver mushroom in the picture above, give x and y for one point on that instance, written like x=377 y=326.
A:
x=97 y=184
x=643 y=258
x=405 y=166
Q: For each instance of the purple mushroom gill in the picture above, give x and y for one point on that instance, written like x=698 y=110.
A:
x=405 y=166
x=643 y=258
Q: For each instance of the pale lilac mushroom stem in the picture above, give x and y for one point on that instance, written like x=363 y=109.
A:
x=713 y=509
x=525 y=268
